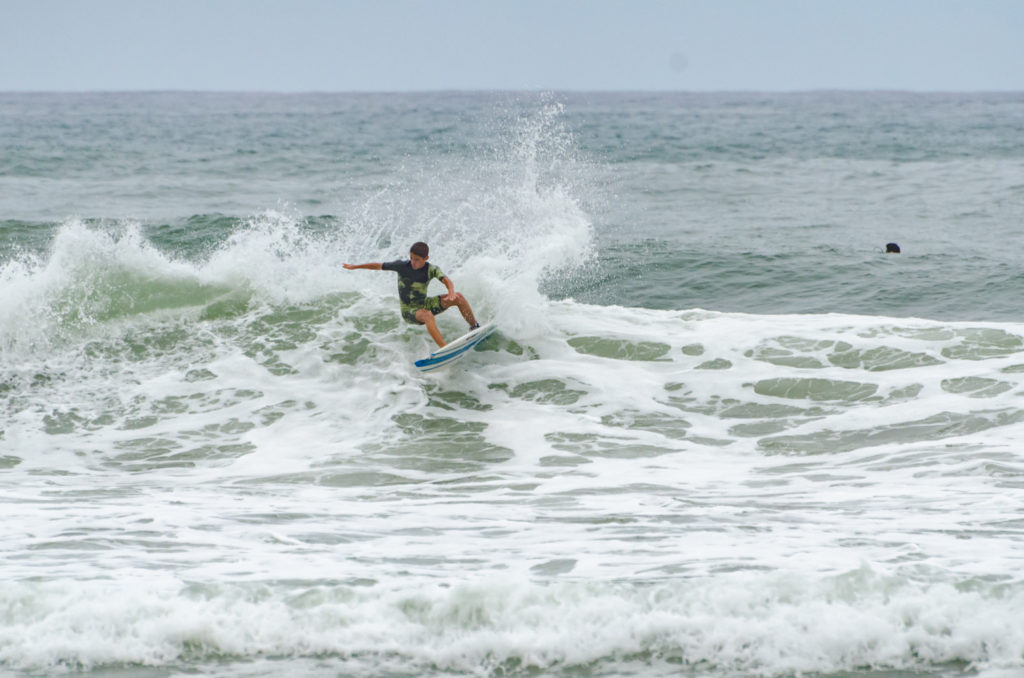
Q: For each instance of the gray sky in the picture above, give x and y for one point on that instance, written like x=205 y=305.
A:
x=411 y=45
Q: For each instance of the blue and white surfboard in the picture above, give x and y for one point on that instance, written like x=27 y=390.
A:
x=455 y=350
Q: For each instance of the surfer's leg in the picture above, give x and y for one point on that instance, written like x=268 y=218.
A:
x=427 y=318
x=464 y=308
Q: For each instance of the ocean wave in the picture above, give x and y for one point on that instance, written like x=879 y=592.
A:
x=764 y=625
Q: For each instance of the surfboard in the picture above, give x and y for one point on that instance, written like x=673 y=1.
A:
x=455 y=350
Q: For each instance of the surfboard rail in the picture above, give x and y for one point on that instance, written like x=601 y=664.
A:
x=455 y=350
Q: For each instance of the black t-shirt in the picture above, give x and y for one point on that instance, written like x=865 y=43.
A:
x=412 y=283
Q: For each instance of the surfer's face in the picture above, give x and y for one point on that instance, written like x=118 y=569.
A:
x=417 y=261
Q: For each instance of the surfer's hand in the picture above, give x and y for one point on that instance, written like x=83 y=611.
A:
x=450 y=297
x=350 y=267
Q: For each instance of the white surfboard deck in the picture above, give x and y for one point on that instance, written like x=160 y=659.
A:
x=455 y=350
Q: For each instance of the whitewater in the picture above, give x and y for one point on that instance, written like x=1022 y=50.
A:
x=718 y=433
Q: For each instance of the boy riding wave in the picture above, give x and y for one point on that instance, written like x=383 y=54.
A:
x=414 y=275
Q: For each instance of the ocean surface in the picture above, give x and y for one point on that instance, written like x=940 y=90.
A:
x=719 y=433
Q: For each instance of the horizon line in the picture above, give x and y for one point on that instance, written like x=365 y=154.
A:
x=541 y=90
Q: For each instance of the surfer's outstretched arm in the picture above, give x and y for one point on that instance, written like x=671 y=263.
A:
x=375 y=266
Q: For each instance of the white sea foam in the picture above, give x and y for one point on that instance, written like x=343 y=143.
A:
x=764 y=517
x=744 y=493
x=754 y=623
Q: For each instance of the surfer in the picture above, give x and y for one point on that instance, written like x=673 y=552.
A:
x=414 y=274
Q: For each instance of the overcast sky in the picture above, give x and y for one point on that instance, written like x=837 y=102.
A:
x=411 y=45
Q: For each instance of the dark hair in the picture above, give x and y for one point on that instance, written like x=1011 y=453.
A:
x=892 y=248
x=420 y=249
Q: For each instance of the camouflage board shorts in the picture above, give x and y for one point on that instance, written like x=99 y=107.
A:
x=432 y=304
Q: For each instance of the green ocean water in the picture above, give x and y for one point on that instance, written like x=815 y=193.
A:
x=728 y=202
x=719 y=431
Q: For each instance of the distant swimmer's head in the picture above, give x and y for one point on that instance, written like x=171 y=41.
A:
x=418 y=255
x=892 y=248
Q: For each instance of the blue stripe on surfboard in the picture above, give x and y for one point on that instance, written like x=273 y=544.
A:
x=438 y=360
x=447 y=357
x=453 y=351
